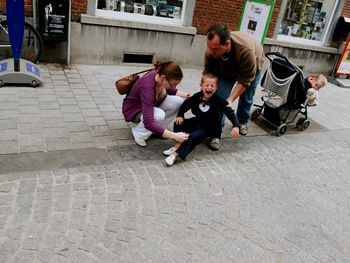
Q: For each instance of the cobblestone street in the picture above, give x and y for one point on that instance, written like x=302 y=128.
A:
x=259 y=199
x=265 y=199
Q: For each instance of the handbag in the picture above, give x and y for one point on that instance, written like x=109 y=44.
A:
x=125 y=84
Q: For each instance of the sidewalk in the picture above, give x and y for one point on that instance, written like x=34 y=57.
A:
x=78 y=107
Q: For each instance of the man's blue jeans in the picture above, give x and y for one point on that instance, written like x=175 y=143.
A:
x=245 y=101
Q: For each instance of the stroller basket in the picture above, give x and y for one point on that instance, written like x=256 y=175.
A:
x=276 y=89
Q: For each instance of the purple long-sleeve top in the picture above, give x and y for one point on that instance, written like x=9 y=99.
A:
x=142 y=98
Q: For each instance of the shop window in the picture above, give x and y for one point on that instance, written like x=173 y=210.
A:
x=307 y=19
x=166 y=11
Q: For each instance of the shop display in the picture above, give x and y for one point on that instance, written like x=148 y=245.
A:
x=170 y=9
x=304 y=19
x=150 y=10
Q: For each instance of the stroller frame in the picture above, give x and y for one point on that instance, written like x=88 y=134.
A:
x=286 y=87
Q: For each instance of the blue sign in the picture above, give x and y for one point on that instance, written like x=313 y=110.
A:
x=3 y=67
x=15 y=23
x=32 y=69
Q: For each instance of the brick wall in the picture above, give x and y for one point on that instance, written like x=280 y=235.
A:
x=207 y=12
x=274 y=17
x=227 y=11
x=78 y=7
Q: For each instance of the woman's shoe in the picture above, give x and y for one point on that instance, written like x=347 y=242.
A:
x=140 y=142
x=169 y=151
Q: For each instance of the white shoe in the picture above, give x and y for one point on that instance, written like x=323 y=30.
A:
x=170 y=160
x=140 y=142
x=169 y=151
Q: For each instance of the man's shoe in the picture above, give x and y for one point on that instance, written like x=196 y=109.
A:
x=140 y=142
x=169 y=151
x=215 y=144
x=170 y=160
x=243 y=130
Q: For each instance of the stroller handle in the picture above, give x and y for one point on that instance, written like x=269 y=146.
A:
x=277 y=54
x=269 y=55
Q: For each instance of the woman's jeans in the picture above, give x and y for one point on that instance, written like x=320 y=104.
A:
x=245 y=101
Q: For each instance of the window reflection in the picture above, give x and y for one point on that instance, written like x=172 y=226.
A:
x=169 y=9
x=306 y=18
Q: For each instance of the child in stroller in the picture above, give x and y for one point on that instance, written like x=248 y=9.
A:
x=312 y=85
x=285 y=94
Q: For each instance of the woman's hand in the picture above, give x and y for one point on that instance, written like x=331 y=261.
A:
x=234 y=132
x=179 y=120
x=180 y=136
x=183 y=94
x=187 y=95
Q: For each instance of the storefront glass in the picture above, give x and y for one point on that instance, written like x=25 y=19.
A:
x=307 y=19
x=170 y=10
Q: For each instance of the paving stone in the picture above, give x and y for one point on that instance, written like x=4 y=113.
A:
x=7 y=147
x=30 y=118
x=51 y=113
x=35 y=139
x=95 y=121
x=55 y=144
x=53 y=122
x=8 y=124
x=33 y=128
x=8 y=135
x=73 y=117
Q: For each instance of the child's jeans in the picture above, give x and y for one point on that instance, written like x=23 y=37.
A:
x=197 y=132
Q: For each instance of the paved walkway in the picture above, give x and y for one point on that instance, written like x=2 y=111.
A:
x=78 y=107
x=81 y=191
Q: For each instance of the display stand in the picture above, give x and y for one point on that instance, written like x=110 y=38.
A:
x=16 y=70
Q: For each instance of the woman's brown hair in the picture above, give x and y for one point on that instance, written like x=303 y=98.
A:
x=170 y=69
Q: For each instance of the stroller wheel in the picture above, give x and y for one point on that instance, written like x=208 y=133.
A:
x=300 y=122
x=304 y=125
x=255 y=114
x=281 y=130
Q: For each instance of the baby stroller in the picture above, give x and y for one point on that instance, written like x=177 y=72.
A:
x=283 y=95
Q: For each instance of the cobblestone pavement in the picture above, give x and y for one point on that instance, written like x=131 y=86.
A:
x=75 y=188
x=259 y=199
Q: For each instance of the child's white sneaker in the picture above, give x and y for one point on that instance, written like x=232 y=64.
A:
x=169 y=151
x=170 y=160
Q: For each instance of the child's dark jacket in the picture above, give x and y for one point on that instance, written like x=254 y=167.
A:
x=208 y=114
